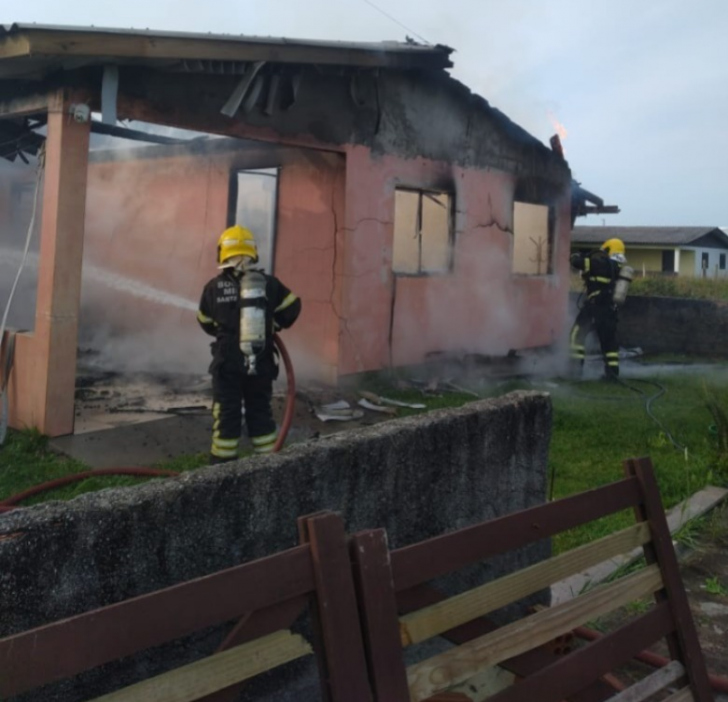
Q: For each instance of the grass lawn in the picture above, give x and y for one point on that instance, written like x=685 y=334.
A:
x=596 y=426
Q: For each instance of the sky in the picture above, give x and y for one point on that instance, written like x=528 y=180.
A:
x=640 y=86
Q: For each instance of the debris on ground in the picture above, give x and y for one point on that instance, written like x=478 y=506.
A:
x=340 y=411
x=377 y=408
x=378 y=400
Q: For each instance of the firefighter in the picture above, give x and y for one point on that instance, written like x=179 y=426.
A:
x=242 y=308
x=606 y=278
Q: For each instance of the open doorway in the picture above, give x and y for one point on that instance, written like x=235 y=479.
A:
x=155 y=208
x=253 y=204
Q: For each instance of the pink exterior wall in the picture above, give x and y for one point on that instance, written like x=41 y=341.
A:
x=309 y=239
x=479 y=307
x=156 y=222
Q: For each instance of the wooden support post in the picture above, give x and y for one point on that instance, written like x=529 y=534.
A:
x=59 y=269
x=380 y=622
x=683 y=644
x=340 y=631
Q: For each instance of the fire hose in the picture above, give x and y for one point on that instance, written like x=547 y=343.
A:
x=717 y=682
x=10 y=503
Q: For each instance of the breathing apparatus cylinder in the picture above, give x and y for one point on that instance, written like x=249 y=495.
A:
x=626 y=274
x=253 y=322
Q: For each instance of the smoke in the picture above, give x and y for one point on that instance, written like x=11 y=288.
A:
x=17 y=191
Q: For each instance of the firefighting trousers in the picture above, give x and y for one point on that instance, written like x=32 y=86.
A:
x=603 y=320
x=231 y=388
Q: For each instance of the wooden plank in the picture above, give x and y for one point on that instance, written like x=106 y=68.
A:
x=346 y=669
x=575 y=671
x=118 y=45
x=255 y=625
x=201 y=678
x=486 y=683
x=648 y=686
x=684 y=695
x=378 y=612
x=429 y=559
x=14 y=46
x=422 y=625
x=26 y=105
x=522 y=666
x=454 y=667
x=685 y=638
x=70 y=646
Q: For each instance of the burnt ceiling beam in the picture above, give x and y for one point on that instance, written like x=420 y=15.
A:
x=18 y=106
x=135 y=135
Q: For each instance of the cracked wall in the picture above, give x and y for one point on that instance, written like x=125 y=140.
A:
x=152 y=226
x=479 y=306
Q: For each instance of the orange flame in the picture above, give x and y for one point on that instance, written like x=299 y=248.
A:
x=560 y=128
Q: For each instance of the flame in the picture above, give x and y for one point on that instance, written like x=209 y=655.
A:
x=558 y=127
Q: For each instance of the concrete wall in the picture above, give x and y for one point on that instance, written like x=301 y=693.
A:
x=713 y=270
x=675 y=325
x=687 y=263
x=155 y=222
x=649 y=260
x=480 y=306
x=417 y=477
x=152 y=226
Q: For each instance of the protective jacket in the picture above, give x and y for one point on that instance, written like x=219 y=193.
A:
x=219 y=316
x=599 y=313
x=599 y=273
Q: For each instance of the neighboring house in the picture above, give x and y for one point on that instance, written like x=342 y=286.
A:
x=685 y=251
x=409 y=215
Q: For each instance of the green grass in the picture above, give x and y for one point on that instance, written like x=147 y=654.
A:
x=595 y=427
x=26 y=461
x=669 y=286
x=672 y=286
x=594 y=434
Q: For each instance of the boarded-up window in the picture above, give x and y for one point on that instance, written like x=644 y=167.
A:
x=422 y=232
x=531 y=248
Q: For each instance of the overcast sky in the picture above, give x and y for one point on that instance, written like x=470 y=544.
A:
x=641 y=86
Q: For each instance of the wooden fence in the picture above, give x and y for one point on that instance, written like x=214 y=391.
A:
x=368 y=604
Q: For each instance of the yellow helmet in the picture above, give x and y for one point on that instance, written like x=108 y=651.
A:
x=613 y=246
x=236 y=241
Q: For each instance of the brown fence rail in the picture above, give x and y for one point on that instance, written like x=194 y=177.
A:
x=397 y=582
x=266 y=595
x=368 y=604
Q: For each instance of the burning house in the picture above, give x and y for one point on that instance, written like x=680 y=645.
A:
x=409 y=215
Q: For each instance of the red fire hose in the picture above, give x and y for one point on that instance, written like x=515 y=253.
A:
x=717 y=682
x=290 y=394
x=11 y=502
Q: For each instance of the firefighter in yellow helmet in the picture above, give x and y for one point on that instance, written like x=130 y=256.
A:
x=242 y=308
x=606 y=277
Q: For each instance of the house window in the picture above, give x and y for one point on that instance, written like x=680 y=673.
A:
x=721 y=262
x=423 y=232
x=532 y=244
x=668 y=261
x=253 y=204
x=705 y=261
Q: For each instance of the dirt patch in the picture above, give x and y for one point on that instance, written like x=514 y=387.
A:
x=704 y=570
x=705 y=574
